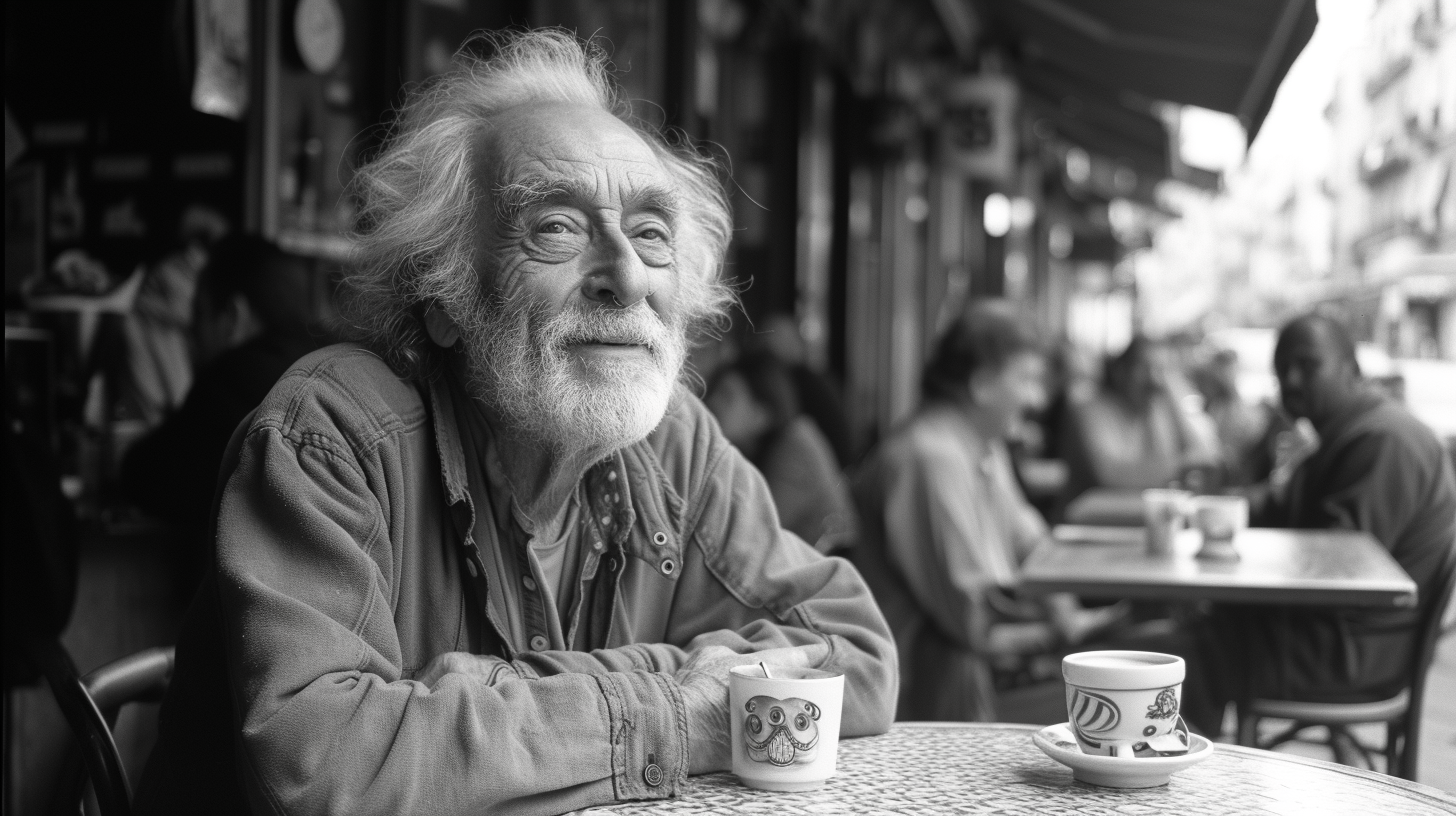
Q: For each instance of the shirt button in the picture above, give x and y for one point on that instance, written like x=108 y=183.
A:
x=539 y=643
x=611 y=475
x=528 y=582
x=597 y=544
x=668 y=566
x=606 y=521
x=660 y=539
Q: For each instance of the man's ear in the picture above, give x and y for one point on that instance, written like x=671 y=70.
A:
x=441 y=328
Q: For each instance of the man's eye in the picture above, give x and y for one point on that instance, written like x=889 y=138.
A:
x=553 y=228
x=651 y=234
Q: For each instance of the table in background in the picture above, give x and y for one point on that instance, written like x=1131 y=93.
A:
x=1111 y=506
x=953 y=768
x=1319 y=567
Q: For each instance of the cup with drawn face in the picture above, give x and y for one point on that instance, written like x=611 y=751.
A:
x=785 y=727
x=1125 y=703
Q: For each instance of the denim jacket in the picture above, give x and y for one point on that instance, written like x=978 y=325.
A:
x=350 y=553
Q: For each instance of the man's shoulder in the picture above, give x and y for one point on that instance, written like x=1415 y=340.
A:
x=344 y=389
x=1388 y=423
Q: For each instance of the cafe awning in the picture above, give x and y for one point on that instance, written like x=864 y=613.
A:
x=1225 y=55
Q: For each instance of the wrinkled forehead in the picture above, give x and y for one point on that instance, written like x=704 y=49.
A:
x=582 y=148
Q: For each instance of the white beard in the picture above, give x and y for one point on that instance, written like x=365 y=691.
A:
x=520 y=363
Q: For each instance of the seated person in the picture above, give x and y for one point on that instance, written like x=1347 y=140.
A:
x=1377 y=469
x=1243 y=428
x=945 y=526
x=819 y=395
x=1131 y=433
x=251 y=322
x=494 y=559
x=753 y=399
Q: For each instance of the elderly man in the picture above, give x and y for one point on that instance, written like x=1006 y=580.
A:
x=946 y=526
x=1377 y=469
x=495 y=559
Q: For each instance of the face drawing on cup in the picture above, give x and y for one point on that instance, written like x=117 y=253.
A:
x=781 y=732
x=1103 y=727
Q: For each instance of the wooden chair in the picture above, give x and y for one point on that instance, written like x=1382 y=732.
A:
x=1401 y=713
x=91 y=705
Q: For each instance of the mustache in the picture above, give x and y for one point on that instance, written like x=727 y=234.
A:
x=637 y=325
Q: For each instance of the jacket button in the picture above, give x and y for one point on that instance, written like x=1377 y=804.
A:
x=539 y=643
x=612 y=563
x=668 y=566
x=659 y=538
x=528 y=582
x=652 y=774
x=611 y=475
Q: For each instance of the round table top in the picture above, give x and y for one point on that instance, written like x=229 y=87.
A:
x=971 y=768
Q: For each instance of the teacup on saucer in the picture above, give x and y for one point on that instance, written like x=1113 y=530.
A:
x=1059 y=743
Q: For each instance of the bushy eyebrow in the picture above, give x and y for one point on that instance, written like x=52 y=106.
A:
x=512 y=199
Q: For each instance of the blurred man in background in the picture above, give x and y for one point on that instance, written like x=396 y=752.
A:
x=1377 y=469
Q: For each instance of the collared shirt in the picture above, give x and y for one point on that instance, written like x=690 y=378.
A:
x=354 y=547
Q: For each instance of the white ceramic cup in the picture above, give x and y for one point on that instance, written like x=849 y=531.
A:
x=785 y=728
x=1221 y=517
x=1125 y=703
x=1163 y=512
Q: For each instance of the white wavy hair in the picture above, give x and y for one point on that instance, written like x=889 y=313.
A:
x=418 y=198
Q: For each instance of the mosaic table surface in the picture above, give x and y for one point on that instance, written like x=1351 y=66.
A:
x=935 y=768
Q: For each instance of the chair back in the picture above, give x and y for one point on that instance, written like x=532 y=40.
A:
x=1428 y=634
x=93 y=734
x=91 y=705
x=142 y=677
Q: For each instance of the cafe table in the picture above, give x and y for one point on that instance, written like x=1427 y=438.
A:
x=1276 y=566
x=918 y=769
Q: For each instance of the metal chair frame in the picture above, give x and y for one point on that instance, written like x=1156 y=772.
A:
x=91 y=705
x=1401 y=714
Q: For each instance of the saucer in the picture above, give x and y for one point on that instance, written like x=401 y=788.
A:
x=1058 y=742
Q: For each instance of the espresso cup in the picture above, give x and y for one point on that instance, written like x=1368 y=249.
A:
x=1125 y=703
x=785 y=727
x=1163 y=512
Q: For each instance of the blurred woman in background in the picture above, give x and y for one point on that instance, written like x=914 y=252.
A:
x=1135 y=432
x=754 y=400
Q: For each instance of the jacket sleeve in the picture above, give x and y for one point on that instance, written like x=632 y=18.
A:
x=335 y=728
x=748 y=584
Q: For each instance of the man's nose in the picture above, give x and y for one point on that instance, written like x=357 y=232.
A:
x=616 y=275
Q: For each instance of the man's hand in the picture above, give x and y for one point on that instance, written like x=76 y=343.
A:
x=703 y=681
